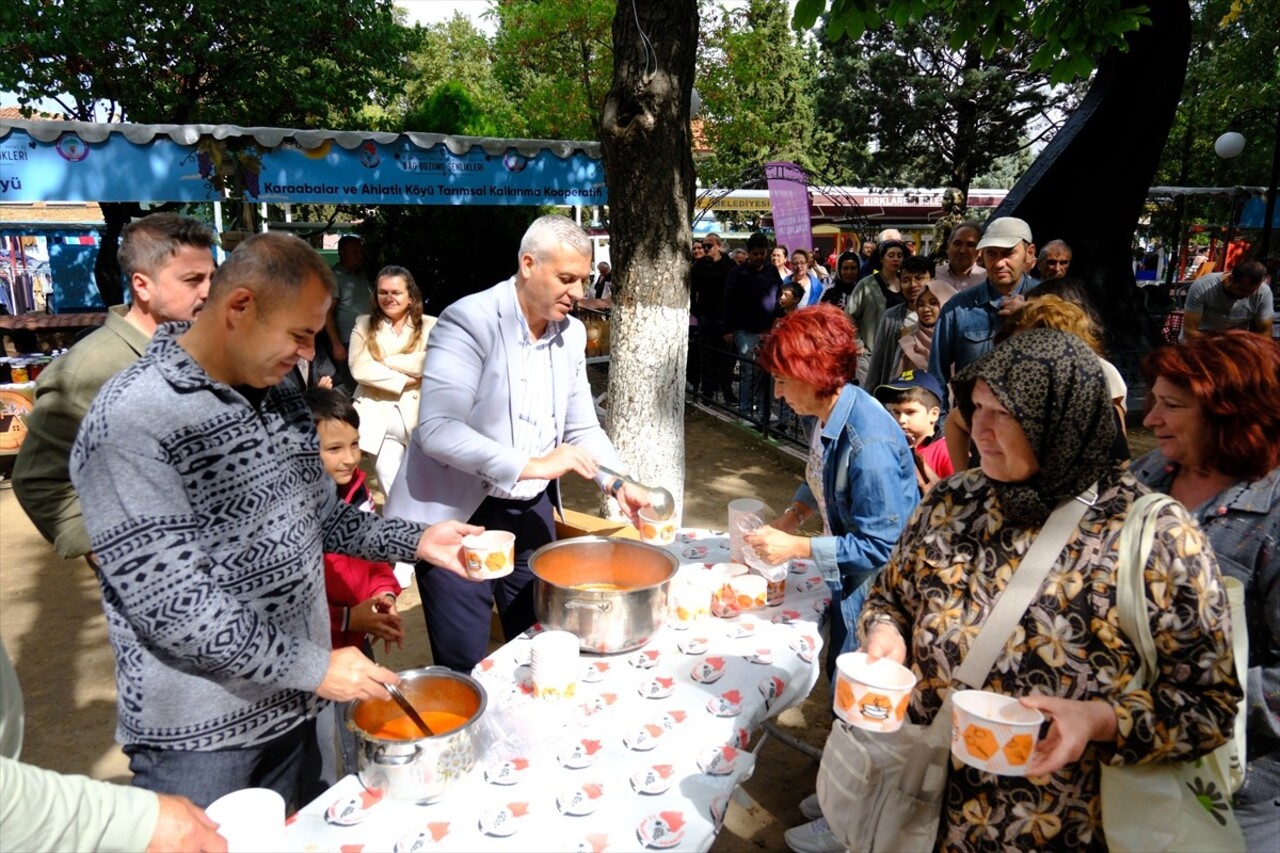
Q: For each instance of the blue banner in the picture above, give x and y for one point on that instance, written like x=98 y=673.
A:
x=116 y=169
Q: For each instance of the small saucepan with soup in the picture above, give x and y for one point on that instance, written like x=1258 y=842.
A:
x=393 y=755
x=611 y=593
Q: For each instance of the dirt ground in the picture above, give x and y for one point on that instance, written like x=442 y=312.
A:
x=52 y=624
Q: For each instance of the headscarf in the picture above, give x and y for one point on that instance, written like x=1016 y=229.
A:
x=837 y=292
x=916 y=344
x=1050 y=381
x=848 y=256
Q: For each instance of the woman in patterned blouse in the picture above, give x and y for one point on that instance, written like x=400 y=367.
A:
x=1042 y=420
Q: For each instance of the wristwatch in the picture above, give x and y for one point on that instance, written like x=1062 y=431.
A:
x=883 y=619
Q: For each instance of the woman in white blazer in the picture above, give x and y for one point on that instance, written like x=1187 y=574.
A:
x=386 y=353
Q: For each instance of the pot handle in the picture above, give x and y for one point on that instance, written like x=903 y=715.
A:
x=381 y=757
x=584 y=604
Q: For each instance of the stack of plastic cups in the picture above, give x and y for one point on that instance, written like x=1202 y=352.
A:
x=553 y=658
x=737 y=510
x=775 y=574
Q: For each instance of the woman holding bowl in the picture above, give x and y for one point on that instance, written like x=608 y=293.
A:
x=860 y=481
x=1042 y=420
x=1215 y=411
x=388 y=347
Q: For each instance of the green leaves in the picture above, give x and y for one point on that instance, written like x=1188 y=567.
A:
x=757 y=81
x=1074 y=33
x=279 y=62
x=914 y=105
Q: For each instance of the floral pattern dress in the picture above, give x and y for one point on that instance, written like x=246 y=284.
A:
x=956 y=556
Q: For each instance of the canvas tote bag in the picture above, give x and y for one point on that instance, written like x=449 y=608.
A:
x=1177 y=806
x=883 y=792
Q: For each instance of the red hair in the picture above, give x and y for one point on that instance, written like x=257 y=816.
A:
x=1235 y=376
x=814 y=345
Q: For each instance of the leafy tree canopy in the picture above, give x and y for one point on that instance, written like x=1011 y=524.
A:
x=910 y=110
x=757 y=81
x=556 y=62
x=277 y=62
x=1072 y=34
x=456 y=52
x=1233 y=83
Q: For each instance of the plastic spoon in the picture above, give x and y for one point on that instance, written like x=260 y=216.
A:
x=660 y=500
x=408 y=709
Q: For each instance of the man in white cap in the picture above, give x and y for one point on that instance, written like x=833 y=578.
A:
x=970 y=319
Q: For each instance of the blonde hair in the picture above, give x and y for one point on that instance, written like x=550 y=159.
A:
x=1052 y=312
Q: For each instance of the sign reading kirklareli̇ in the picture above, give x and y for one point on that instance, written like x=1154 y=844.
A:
x=160 y=169
x=789 y=197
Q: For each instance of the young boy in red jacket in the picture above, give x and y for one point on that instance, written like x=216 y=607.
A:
x=915 y=400
x=362 y=594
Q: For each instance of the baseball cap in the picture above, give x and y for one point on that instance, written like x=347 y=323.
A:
x=913 y=379
x=1005 y=233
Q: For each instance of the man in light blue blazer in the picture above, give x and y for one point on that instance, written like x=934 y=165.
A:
x=506 y=411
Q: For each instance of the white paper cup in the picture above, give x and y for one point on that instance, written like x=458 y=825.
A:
x=750 y=590
x=689 y=603
x=724 y=601
x=490 y=555
x=553 y=661
x=992 y=732
x=250 y=820
x=657 y=531
x=872 y=696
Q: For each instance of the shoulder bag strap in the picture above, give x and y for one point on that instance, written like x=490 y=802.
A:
x=1136 y=538
x=1023 y=587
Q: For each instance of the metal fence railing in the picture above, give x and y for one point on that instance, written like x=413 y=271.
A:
x=720 y=379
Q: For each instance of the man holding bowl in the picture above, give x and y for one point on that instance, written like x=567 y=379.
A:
x=507 y=411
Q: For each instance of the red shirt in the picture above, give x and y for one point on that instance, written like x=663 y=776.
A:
x=351 y=580
x=935 y=454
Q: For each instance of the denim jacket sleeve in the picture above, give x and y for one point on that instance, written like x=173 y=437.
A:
x=881 y=495
x=940 y=356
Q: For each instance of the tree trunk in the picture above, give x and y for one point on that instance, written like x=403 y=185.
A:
x=106 y=267
x=1090 y=183
x=648 y=163
x=966 y=113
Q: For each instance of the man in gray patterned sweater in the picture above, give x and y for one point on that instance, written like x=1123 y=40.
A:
x=210 y=513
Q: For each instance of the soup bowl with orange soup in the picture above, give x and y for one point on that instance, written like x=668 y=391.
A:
x=393 y=755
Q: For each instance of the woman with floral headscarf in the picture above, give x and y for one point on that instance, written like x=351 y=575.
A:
x=1042 y=420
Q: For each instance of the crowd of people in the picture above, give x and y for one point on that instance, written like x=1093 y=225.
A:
x=1008 y=354
x=204 y=455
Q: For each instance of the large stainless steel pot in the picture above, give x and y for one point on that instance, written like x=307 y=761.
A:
x=625 y=598
x=424 y=769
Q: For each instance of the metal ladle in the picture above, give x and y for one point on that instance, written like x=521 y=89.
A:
x=408 y=709
x=660 y=500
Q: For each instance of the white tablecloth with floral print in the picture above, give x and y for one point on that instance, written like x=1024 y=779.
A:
x=645 y=756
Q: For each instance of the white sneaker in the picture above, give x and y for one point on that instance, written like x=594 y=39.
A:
x=813 y=837
x=809 y=807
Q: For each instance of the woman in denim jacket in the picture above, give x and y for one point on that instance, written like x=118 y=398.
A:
x=860 y=479
x=1215 y=411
